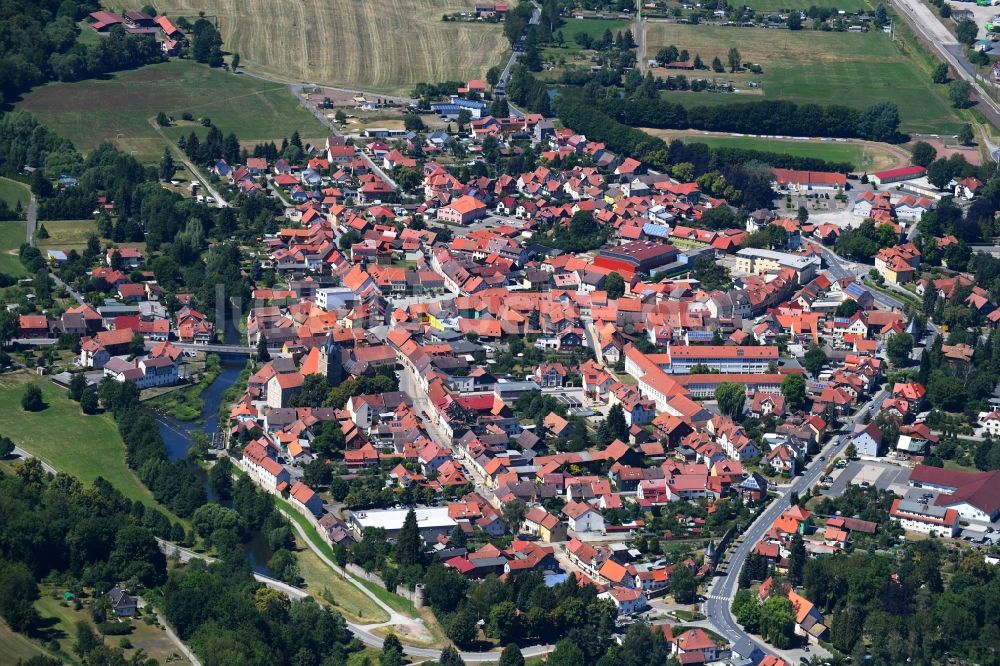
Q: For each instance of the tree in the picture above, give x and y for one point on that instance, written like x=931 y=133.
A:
x=735 y=60
x=220 y=478
x=77 y=386
x=616 y=427
x=939 y=173
x=409 y=547
x=511 y=656
x=940 y=74
x=717 y=65
x=43 y=233
x=18 y=591
x=683 y=586
x=793 y=388
x=566 y=653
x=317 y=473
x=881 y=15
x=802 y=215
x=505 y=624
x=40 y=185
x=512 y=515
x=167 y=167
x=32 y=400
x=922 y=154
x=235 y=64
x=162 y=119
x=86 y=639
x=6 y=447
x=898 y=348
x=88 y=401
x=794 y=20
x=392 y=652
x=263 y=355
x=879 y=122
x=851 y=451
x=959 y=93
x=450 y=657
x=137 y=346
x=777 y=621
x=731 y=398
x=965 y=136
x=966 y=31
x=814 y=360
x=796 y=560
x=462 y=630
x=614 y=284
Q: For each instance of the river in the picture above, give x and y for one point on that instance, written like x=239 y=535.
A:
x=177 y=438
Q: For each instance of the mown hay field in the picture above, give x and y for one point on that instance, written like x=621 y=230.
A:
x=377 y=45
x=808 y=66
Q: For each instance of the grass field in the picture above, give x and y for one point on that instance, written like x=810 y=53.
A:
x=66 y=235
x=320 y=580
x=12 y=191
x=119 y=108
x=818 y=67
x=84 y=446
x=16 y=647
x=12 y=234
x=593 y=27
x=378 y=45
x=860 y=155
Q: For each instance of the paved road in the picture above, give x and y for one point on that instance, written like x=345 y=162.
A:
x=220 y=202
x=929 y=26
x=640 y=38
x=21 y=453
x=32 y=219
x=724 y=588
x=841 y=268
x=501 y=86
x=77 y=296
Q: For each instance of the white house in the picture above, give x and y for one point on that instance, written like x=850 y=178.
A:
x=990 y=423
x=626 y=600
x=867 y=440
x=925 y=518
x=583 y=517
x=263 y=469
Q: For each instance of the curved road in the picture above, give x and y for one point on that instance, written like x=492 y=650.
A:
x=719 y=600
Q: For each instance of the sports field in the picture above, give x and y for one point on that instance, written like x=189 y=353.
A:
x=856 y=69
x=863 y=155
x=119 y=108
x=377 y=45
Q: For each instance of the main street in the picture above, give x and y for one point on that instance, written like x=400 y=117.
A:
x=724 y=588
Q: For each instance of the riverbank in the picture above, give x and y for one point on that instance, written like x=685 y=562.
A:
x=186 y=404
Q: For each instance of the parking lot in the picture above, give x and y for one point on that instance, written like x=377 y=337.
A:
x=859 y=472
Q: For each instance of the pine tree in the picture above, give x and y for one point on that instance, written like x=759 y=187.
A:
x=796 y=560
x=408 y=545
x=511 y=656
x=262 y=354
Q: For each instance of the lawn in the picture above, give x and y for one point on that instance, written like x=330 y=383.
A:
x=12 y=235
x=594 y=27
x=61 y=621
x=379 y=45
x=119 y=108
x=84 y=446
x=856 y=69
x=12 y=191
x=862 y=155
x=66 y=235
